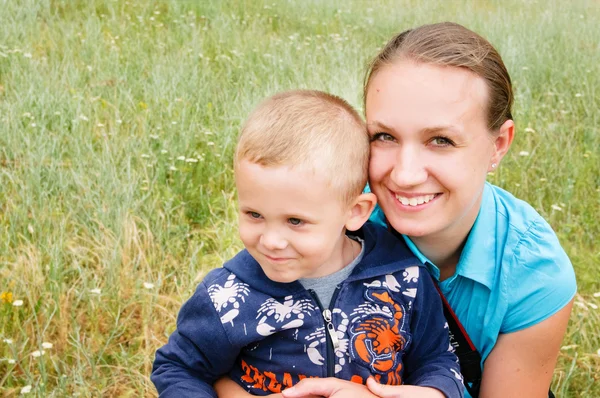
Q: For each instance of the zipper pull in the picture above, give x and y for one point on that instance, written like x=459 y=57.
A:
x=331 y=329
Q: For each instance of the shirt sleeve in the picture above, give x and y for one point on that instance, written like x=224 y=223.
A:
x=430 y=360
x=197 y=353
x=541 y=281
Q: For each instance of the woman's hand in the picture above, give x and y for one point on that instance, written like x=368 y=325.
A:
x=385 y=391
x=329 y=387
x=227 y=388
x=336 y=388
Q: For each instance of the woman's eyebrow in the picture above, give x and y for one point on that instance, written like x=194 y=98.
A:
x=441 y=128
x=380 y=125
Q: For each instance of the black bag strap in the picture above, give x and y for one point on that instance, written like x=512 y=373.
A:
x=468 y=356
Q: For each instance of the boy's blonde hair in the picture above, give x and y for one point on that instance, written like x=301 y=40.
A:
x=313 y=129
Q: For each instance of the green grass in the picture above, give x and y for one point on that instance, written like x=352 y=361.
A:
x=100 y=99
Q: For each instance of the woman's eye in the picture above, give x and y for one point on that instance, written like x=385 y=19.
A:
x=382 y=137
x=295 y=221
x=254 y=215
x=442 y=141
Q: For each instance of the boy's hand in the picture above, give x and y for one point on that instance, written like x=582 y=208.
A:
x=385 y=391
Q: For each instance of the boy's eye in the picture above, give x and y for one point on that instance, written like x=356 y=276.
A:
x=254 y=214
x=382 y=137
x=295 y=221
x=442 y=141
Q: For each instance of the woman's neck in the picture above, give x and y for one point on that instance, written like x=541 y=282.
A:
x=442 y=253
x=445 y=247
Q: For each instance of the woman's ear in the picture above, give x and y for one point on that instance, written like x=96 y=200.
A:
x=360 y=210
x=502 y=143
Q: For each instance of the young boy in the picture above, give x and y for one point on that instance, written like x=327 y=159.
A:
x=316 y=293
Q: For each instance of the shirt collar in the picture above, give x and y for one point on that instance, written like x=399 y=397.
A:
x=478 y=258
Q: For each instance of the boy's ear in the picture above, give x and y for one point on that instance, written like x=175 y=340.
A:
x=360 y=210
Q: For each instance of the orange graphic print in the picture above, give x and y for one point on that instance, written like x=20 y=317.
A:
x=268 y=381
x=377 y=340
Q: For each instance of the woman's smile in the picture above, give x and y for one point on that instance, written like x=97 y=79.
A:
x=416 y=201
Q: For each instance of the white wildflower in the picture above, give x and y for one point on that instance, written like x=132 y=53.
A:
x=119 y=121
x=597 y=294
x=180 y=157
x=8 y=341
x=84 y=118
x=96 y=291
x=163 y=151
x=47 y=345
x=523 y=153
x=38 y=353
x=148 y=285
x=568 y=347
x=191 y=160
x=578 y=95
x=172 y=168
x=27 y=55
x=26 y=390
x=145 y=156
x=17 y=303
x=12 y=361
x=529 y=130
x=556 y=207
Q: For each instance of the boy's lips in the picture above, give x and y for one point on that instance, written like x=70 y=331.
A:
x=274 y=259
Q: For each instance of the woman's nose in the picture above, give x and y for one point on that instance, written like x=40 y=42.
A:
x=409 y=169
x=273 y=240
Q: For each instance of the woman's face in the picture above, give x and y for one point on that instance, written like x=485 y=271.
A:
x=430 y=149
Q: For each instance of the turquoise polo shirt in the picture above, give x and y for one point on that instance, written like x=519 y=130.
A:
x=512 y=272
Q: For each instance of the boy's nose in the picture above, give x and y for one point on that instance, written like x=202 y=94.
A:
x=272 y=240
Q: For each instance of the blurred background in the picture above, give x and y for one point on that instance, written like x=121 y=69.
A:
x=117 y=124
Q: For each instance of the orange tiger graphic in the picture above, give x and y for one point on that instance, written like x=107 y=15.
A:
x=377 y=339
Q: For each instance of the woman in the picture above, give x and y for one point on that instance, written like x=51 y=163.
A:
x=438 y=107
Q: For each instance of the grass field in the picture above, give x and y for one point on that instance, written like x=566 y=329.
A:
x=117 y=124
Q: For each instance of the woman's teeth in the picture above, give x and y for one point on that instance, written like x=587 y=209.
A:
x=415 y=200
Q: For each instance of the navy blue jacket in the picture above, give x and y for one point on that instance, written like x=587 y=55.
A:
x=385 y=320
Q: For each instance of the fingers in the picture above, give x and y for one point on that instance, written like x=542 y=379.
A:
x=308 y=388
x=382 y=390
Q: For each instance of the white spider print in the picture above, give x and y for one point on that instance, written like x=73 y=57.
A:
x=457 y=375
x=230 y=293
x=411 y=274
x=390 y=283
x=291 y=312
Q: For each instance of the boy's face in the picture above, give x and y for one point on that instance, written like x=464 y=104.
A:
x=291 y=222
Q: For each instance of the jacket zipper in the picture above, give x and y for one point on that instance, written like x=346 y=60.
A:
x=331 y=340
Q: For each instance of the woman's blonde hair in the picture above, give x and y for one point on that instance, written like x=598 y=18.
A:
x=309 y=128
